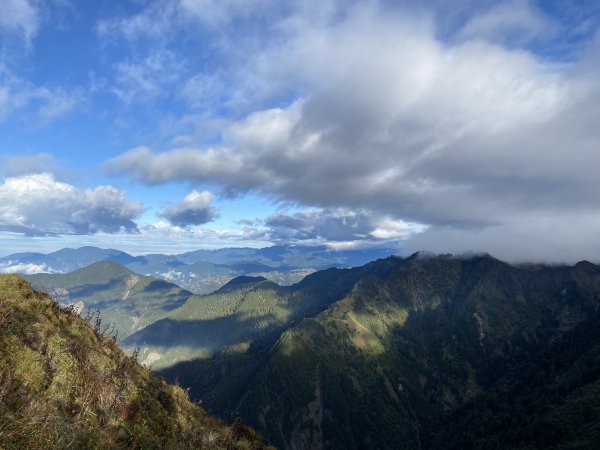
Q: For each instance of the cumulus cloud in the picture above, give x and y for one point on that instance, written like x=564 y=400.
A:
x=397 y=122
x=194 y=209
x=337 y=225
x=38 y=204
x=468 y=134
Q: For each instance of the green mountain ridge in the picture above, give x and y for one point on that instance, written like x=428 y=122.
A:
x=239 y=315
x=405 y=350
x=65 y=384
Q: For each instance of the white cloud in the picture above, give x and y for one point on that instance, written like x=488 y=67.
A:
x=20 y=17
x=201 y=90
x=388 y=228
x=512 y=20
x=26 y=269
x=397 y=122
x=38 y=204
x=153 y=22
x=163 y=20
x=146 y=79
x=338 y=226
x=228 y=35
x=194 y=209
x=56 y=102
x=382 y=117
x=167 y=238
x=42 y=102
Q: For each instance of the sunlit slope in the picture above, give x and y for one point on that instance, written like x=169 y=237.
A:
x=406 y=350
x=126 y=300
x=246 y=312
x=64 y=384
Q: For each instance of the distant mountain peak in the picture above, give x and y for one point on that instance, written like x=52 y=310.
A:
x=241 y=280
x=106 y=266
x=587 y=266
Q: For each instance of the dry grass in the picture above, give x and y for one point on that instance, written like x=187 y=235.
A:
x=65 y=384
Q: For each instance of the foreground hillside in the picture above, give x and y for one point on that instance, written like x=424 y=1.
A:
x=422 y=352
x=64 y=384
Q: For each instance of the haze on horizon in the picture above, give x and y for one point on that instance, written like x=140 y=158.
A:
x=151 y=126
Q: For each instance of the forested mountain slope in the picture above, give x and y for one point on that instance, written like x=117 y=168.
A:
x=248 y=311
x=422 y=352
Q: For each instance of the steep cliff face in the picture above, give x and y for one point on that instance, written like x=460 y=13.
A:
x=65 y=384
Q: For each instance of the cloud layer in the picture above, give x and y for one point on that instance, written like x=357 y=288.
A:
x=470 y=135
x=40 y=205
x=447 y=126
x=337 y=226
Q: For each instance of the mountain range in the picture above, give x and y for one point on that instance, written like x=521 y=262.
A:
x=423 y=352
x=200 y=271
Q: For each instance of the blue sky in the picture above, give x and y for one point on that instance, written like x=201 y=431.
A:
x=168 y=126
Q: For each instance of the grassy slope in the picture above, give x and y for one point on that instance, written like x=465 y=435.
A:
x=128 y=301
x=63 y=384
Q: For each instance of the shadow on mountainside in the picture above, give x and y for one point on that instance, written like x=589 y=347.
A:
x=427 y=354
x=210 y=333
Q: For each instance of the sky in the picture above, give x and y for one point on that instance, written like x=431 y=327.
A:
x=167 y=126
